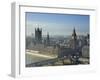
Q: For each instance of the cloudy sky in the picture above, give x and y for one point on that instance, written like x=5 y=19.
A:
x=57 y=24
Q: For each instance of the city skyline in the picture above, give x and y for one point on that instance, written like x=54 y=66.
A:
x=57 y=24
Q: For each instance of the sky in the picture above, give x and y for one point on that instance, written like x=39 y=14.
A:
x=56 y=24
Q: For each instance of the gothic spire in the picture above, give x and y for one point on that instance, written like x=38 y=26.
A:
x=74 y=33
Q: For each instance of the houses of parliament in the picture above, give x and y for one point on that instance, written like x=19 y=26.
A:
x=39 y=37
x=60 y=47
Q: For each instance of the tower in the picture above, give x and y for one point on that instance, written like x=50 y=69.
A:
x=48 y=39
x=74 y=39
x=38 y=35
x=74 y=36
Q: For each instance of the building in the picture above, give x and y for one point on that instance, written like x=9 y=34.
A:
x=72 y=49
x=65 y=52
x=38 y=35
x=85 y=51
x=48 y=40
x=74 y=42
